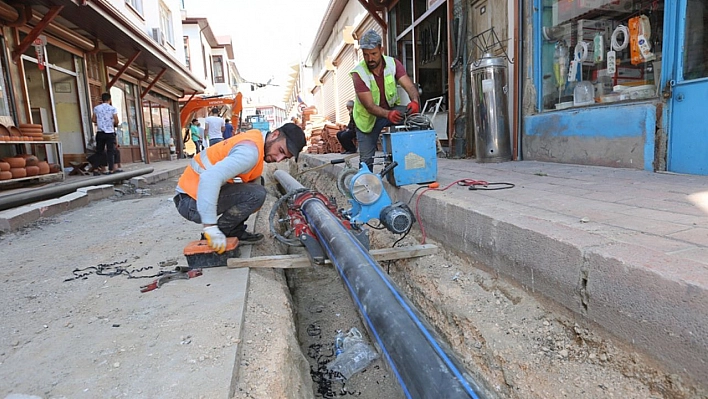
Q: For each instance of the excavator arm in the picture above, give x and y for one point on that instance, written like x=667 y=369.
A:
x=195 y=104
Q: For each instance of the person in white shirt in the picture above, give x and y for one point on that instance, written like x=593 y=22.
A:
x=214 y=127
x=105 y=116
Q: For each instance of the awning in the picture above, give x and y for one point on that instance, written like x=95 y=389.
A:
x=107 y=24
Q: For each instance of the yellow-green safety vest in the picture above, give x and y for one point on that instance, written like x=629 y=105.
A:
x=363 y=119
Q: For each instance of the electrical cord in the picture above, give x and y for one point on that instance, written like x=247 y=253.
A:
x=417 y=121
x=581 y=54
x=625 y=31
x=461 y=182
x=414 y=193
x=379 y=227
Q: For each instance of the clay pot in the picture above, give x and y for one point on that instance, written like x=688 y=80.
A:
x=54 y=168
x=4 y=167
x=30 y=160
x=15 y=162
x=18 y=172
x=32 y=170
x=5 y=175
x=43 y=167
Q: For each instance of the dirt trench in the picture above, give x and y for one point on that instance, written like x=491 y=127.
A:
x=518 y=345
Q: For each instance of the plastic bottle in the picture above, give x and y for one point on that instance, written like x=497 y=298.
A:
x=355 y=354
x=560 y=63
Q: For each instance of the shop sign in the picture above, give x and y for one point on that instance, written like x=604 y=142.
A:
x=39 y=44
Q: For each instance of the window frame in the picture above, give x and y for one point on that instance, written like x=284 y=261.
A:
x=166 y=23
x=218 y=60
x=135 y=5
x=187 y=58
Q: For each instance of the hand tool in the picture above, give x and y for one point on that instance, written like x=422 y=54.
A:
x=180 y=273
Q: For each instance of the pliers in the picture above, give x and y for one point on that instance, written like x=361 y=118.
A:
x=180 y=273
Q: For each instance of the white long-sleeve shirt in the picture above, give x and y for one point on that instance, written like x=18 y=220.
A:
x=242 y=158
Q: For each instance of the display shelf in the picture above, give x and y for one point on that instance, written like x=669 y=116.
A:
x=39 y=178
x=56 y=157
x=30 y=142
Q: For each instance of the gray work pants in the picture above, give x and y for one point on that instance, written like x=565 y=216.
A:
x=237 y=201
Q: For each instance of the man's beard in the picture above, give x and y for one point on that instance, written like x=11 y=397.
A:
x=374 y=64
x=266 y=148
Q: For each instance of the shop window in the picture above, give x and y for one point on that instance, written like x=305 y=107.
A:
x=158 y=121
x=599 y=51
x=118 y=99
x=4 y=103
x=695 y=54
x=419 y=8
x=401 y=17
x=132 y=109
x=218 y=69
x=60 y=58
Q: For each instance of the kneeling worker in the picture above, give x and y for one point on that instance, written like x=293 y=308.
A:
x=207 y=188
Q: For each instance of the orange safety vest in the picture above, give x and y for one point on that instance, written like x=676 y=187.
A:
x=189 y=181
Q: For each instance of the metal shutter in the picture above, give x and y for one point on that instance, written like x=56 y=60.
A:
x=329 y=107
x=317 y=94
x=345 y=87
x=370 y=23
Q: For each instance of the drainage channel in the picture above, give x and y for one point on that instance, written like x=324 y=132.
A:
x=421 y=364
x=323 y=307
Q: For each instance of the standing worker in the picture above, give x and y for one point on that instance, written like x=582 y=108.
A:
x=376 y=94
x=228 y=129
x=209 y=186
x=105 y=116
x=214 y=127
x=196 y=135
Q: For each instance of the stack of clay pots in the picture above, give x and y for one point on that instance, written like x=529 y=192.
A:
x=32 y=132
x=26 y=165
x=26 y=132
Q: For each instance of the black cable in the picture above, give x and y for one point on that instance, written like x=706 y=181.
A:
x=379 y=227
x=414 y=193
x=503 y=186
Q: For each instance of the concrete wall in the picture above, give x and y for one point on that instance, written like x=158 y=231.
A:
x=196 y=55
x=149 y=18
x=618 y=136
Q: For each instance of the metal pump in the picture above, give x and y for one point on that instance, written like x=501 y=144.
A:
x=370 y=200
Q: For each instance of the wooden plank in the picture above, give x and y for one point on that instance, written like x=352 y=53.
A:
x=274 y=261
x=296 y=261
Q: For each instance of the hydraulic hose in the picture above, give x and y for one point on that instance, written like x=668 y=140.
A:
x=423 y=366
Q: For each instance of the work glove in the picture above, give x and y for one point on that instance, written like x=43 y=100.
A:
x=215 y=239
x=412 y=108
x=395 y=117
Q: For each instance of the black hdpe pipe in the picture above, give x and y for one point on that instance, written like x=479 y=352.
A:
x=40 y=194
x=422 y=366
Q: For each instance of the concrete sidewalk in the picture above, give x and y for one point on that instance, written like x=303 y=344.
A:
x=12 y=219
x=625 y=249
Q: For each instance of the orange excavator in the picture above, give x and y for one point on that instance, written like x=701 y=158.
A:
x=195 y=104
x=189 y=109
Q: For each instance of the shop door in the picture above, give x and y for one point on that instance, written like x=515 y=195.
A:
x=688 y=130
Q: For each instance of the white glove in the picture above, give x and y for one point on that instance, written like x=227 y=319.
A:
x=215 y=239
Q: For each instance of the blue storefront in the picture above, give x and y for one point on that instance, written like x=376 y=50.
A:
x=617 y=83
